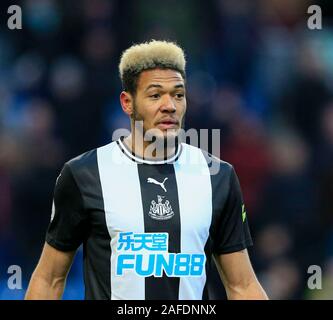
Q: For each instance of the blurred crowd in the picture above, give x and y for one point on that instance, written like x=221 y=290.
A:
x=254 y=70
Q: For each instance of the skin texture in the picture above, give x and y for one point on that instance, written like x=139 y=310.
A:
x=160 y=96
x=49 y=278
x=238 y=277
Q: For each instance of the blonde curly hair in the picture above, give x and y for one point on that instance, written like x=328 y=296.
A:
x=149 y=55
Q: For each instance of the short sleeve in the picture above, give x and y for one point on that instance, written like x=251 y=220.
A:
x=68 y=226
x=232 y=232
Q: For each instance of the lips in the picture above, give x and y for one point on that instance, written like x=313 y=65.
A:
x=168 y=121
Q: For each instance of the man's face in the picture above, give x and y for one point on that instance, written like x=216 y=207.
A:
x=160 y=102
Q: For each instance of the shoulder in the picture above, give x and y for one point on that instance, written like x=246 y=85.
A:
x=82 y=162
x=87 y=161
x=82 y=159
x=215 y=164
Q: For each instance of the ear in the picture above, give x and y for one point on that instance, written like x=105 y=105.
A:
x=126 y=101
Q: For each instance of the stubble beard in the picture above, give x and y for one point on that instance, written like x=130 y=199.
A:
x=168 y=140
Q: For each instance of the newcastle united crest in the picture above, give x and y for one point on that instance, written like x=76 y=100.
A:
x=160 y=210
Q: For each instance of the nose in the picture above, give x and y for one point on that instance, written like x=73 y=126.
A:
x=168 y=104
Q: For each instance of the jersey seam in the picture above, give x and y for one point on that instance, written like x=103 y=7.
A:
x=52 y=241
x=236 y=247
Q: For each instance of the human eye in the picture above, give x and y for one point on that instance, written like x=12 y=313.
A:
x=180 y=95
x=154 y=96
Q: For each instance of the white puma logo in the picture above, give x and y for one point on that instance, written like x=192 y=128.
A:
x=161 y=184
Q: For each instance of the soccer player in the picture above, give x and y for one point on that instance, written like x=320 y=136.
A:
x=152 y=223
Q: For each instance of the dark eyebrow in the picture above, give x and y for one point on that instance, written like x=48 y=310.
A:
x=153 y=86
x=159 y=86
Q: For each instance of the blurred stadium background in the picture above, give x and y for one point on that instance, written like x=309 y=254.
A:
x=255 y=71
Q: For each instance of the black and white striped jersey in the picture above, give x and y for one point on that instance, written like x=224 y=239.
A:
x=148 y=228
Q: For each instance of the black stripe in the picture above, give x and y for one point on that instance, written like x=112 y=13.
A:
x=163 y=288
x=97 y=249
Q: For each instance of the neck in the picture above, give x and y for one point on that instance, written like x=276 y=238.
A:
x=158 y=150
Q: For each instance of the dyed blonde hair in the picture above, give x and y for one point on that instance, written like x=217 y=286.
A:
x=149 y=55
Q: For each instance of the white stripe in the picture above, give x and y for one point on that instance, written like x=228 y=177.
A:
x=195 y=205
x=123 y=213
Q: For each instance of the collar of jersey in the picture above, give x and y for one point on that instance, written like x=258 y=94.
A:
x=137 y=159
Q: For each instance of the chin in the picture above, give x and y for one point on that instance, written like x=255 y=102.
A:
x=170 y=134
x=167 y=136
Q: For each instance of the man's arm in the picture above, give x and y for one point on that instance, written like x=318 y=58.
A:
x=49 y=278
x=238 y=276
